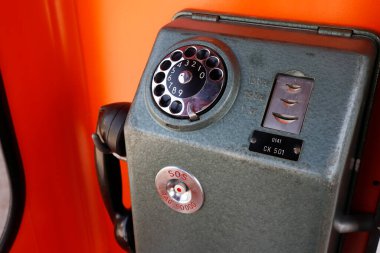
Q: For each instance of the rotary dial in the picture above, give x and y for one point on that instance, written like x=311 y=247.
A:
x=188 y=81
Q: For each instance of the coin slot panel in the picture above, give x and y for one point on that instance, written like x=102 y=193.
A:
x=288 y=103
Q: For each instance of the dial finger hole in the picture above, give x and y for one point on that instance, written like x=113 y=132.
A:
x=165 y=100
x=203 y=54
x=165 y=65
x=159 y=90
x=190 y=52
x=159 y=77
x=216 y=74
x=176 y=107
x=212 y=62
x=176 y=56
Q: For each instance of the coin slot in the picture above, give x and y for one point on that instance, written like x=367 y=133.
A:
x=293 y=87
x=284 y=118
x=289 y=102
x=176 y=56
x=159 y=77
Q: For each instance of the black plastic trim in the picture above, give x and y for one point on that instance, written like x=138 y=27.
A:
x=109 y=141
x=8 y=142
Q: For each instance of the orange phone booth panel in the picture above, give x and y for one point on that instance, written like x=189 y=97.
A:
x=60 y=60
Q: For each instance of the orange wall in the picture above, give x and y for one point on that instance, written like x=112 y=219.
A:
x=62 y=59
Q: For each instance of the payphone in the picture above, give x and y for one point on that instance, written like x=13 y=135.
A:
x=243 y=136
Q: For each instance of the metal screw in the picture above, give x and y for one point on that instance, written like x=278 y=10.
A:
x=253 y=140
x=297 y=150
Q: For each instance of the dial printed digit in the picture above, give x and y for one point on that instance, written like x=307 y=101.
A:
x=184 y=76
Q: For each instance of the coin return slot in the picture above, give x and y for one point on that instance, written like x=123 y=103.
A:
x=284 y=119
x=288 y=103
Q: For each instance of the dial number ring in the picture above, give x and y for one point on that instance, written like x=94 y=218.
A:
x=188 y=81
x=183 y=82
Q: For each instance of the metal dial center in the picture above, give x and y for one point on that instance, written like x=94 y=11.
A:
x=185 y=77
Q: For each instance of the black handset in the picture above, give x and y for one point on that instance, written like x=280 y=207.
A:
x=110 y=145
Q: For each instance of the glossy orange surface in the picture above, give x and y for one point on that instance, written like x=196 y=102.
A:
x=62 y=59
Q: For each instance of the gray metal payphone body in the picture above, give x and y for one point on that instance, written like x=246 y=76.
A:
x=243 y=134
